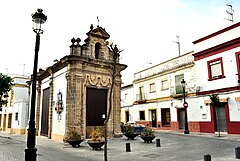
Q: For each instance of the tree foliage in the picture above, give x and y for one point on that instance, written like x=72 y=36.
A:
x=215 y=99
x=6 y=83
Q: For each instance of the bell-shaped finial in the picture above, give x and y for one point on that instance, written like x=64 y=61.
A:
x=78 y=40
x=73 y=40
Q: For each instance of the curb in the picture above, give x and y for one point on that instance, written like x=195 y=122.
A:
x=7 y=137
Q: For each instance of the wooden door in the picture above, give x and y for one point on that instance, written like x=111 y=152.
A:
x=45 y=112
x=220 y=116
x=0 y=120
x=154 y=118
x=126 y=116
x=9 y=121
x=96 y=105
x=181 y=118
x=4 y=121
x=141 y=93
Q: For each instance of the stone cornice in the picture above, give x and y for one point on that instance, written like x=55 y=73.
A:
x=72 y=59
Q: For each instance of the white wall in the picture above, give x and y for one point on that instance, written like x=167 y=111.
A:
x=126 y=103
x=130 y=96
x=60 y=84
x=216 y=40
x=230 y=71
x=20 y=93
x=20 y=107
x=20 y=104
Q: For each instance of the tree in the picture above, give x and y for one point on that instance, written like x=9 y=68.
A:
x=115 y=55
x=214 y=99
x=6 y=83
x=216 y=103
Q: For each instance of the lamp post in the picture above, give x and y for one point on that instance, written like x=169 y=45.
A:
x=185 y=105
x=38 y=19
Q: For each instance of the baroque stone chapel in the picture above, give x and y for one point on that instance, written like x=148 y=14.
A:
x=73 y=93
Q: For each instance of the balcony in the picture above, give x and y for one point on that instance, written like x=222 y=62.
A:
x=141 y=98
x=176 y=92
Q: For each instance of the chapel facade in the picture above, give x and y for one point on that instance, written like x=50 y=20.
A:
x=73 y=93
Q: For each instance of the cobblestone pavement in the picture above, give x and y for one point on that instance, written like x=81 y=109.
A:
x=174 y=147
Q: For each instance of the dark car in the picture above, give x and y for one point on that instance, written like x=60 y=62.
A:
x=137 y=127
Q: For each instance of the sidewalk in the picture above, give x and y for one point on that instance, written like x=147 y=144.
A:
x=223 y=135
x=175 y=146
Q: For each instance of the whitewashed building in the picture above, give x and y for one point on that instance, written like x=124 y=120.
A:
x=158 y=94
x=127 y=99
x=217 y=63
x=14 y=116
x=212 y=69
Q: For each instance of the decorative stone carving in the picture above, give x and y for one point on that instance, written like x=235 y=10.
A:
x=102 y=81
x=105 y=82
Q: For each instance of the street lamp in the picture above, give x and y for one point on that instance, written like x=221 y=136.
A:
x=185 y=105
x=38 y=19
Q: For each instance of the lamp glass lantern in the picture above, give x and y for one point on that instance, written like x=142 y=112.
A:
x=183 y=82
x=38 y=19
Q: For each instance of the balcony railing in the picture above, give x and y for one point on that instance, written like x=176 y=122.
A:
x=141 y=97
x=176 y=91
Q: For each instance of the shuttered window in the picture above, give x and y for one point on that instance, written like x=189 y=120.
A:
x=152 y=87
x=178 y=85
x=164 y=84
x=215 y=69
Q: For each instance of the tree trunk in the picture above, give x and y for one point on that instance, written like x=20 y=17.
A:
x=113 y=75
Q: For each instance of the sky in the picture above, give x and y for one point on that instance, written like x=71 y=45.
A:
x=145 y=30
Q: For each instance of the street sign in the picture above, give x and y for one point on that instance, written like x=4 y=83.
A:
x=185 y=104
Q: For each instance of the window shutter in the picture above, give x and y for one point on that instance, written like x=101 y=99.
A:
x=216 y=69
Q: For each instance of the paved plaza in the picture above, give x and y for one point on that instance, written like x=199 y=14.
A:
x=174 y=147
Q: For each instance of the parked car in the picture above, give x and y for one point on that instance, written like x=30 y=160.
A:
x=137 y=127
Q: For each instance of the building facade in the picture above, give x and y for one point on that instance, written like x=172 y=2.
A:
x=14 y=116
x=73 y=93
x=213 y=69
x=217 y=59
x=158 y=94
x=127 y=99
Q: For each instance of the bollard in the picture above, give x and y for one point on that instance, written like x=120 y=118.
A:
x=207 y=157
x=128 y=148
x=158 y=143
x=237 y=152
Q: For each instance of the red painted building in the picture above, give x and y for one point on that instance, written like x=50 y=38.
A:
x=217 y=59
x=213 y=69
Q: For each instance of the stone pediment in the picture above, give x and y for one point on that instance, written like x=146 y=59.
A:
x=99 y=32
